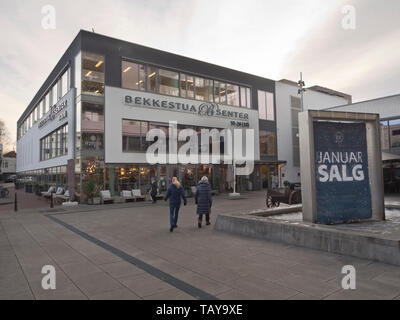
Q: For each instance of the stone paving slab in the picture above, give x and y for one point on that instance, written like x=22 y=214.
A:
x=228 y=266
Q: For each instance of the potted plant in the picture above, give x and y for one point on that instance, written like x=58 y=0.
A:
x=286 y=184
x=89 y=189
x=96 y=198
x=37 y=189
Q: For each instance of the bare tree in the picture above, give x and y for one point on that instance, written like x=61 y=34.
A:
x=4 y=134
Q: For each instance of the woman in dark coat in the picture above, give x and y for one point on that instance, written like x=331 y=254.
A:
x=175 y=192
x=204 y=201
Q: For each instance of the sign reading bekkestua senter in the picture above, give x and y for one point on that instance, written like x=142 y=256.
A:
x=343 y=191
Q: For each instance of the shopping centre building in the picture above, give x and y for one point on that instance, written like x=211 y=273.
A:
x=90 y=118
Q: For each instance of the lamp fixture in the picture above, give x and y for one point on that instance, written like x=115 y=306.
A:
x=127 y=69
x=89 y=73
x=152 y=75
x=99 y=64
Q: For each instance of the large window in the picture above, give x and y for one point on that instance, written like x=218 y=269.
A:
x=46 y=103
x=233 y=95
x=169 y=82
x=219 y=92
x=152 y=79
x=394 y=129
x=134 y=136
x=266 y=106
x=133 y=76
x=64 y=84
x=92 y=126
x=245 y=97
x=55 y=144
x=187 y=86
x=267 y=143
x=54 y=94
x=92 y=74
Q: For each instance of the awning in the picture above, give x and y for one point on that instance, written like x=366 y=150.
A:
x=390 y=156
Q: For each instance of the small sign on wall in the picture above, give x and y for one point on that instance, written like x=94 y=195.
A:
x=343 y=192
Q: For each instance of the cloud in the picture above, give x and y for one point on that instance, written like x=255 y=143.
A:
x=273 y=39
x=353 y=61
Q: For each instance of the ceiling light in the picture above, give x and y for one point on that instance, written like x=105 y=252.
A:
x=127 y=69
x=99 y=64
x=152 y=75
x=88 y=74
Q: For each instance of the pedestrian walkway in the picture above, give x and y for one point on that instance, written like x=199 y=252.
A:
x=127 y=252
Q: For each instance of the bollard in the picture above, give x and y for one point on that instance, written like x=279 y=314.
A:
x=52 y=201
x=15 y=203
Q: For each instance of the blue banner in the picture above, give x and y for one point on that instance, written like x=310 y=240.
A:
x=343 y=192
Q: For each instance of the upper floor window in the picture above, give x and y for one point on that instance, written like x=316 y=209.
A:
x=169 y=82
x=65 y=84
x=133 y=76
x=187 y=86
x=267 y=143
x=245 y=97
x=204 y=89
x=266 y=105
x=152 y=79
x=233 y=95
x=92 y=74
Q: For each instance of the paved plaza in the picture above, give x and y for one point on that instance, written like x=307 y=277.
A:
x=126 y=251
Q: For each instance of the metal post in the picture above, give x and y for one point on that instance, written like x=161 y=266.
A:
x=234 y=176
x=302 y=91
x=15 y=203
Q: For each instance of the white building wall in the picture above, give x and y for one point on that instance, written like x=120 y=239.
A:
x=312 y=100
x=116 y=110
x=28 y=147
x=387 y=107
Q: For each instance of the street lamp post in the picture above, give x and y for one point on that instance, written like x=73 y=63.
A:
x=302 y=90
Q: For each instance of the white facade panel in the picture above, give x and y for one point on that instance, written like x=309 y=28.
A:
x=387 y=108
x=116 y=109
x=313 y=100
x=28 y=146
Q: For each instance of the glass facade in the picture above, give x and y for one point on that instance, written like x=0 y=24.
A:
x=157 y=80
x=55 y=144
x=267 y=144
x=390 y=136
x=266 y=105
x=57 y=91
x=44 y=178
x=169 y=82
x=89 y=136
x=92 y=74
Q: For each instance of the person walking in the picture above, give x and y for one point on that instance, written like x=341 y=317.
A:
x=154 y=190
x=204 y=201
x=175 y=192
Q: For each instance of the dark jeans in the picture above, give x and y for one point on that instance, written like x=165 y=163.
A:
x=201 y=218
x=153 y=195
x=174 y=214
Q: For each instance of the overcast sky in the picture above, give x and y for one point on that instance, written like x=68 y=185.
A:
x=273 y=39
